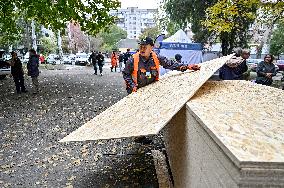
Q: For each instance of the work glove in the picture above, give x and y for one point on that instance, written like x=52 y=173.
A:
x=194 y=67
x=134 y=89
x=190 y=67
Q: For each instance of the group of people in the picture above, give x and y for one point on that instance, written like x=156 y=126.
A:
x=18 y=73
x=236 y=68
x=97 y=59
x=118 y=59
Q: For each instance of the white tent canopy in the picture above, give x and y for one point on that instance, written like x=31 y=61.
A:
x=179 y=36
x=179 y=43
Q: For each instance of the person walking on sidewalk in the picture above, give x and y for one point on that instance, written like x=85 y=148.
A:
x=93 y=60
x=100 y=60
x=120 y=59
x=33 y=70
x=114 y=59
x=126 y=56
x=17 y=73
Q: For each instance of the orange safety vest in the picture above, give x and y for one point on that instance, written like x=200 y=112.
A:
x=136 y=63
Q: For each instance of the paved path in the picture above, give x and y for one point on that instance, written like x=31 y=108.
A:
x=31 y=125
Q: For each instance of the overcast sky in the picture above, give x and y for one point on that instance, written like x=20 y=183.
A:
x=140 y=3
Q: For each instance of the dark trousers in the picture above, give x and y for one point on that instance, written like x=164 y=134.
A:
x=112 y=68
x=19 y=83
x=96 y=68
x=101 y=69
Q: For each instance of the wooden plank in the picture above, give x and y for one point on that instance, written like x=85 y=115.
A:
x=150 y=109
x=245 y=119
x=162 y=171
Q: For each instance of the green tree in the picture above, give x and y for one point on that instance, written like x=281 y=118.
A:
x=183 y=12
x=277 y=40
x=48 y=45
x=152 y=32
x=270 y=14
x=91 y=15
x=111 y=37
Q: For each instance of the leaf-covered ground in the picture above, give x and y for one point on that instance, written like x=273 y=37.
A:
x=31 y=126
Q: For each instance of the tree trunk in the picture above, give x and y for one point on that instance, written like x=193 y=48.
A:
x=34 y=45
x=59 y=43
x=225 y=43
x=265 y=39
x=69 y=37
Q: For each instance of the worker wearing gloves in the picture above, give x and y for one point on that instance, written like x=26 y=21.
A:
x=143 y=68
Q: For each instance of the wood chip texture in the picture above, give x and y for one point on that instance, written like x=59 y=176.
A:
x=245 y=119
x=147 y=111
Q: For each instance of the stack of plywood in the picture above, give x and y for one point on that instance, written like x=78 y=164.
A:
x=230 y=134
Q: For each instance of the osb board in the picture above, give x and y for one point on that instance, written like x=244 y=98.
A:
x=246 y=120
x=149 y=110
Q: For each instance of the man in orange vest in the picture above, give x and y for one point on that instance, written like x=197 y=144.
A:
x=143 y=68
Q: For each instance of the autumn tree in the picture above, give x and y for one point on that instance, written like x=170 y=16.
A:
x=183 y=12
x=230 y=20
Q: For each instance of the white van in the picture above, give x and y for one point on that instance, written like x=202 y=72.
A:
x=81 y=59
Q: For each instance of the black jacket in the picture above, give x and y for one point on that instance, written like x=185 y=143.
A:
x=17 y=68
x=100 y=59
x=33 y=65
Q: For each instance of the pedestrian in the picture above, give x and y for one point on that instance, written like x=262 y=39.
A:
x=120 y=60
x=236 y=66
x=127 y=56
x=33 y=70
x=93 y=60
x=17 y=73
x=178 y=58
x=100 y=60
x=266 y=70
x=143 y=69
x=114 y=60
x=41 y=59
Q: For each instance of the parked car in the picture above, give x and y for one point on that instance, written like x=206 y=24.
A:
x=81 y=59
x=280 y=64
x=66 y=59
x=5 y=68
x=252 y=64
x=53 y=59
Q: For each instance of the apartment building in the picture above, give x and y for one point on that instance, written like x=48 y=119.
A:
x=134 y=20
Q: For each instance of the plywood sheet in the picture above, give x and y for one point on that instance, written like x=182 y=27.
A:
x=245 y=119
x=150 y=109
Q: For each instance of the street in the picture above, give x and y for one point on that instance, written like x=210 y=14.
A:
x=32 y=125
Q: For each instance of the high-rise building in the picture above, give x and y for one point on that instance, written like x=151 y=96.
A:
x=134 y=21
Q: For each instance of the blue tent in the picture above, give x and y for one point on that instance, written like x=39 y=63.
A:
x=179 y=43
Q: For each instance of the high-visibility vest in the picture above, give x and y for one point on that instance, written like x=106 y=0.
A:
x=136 y=65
